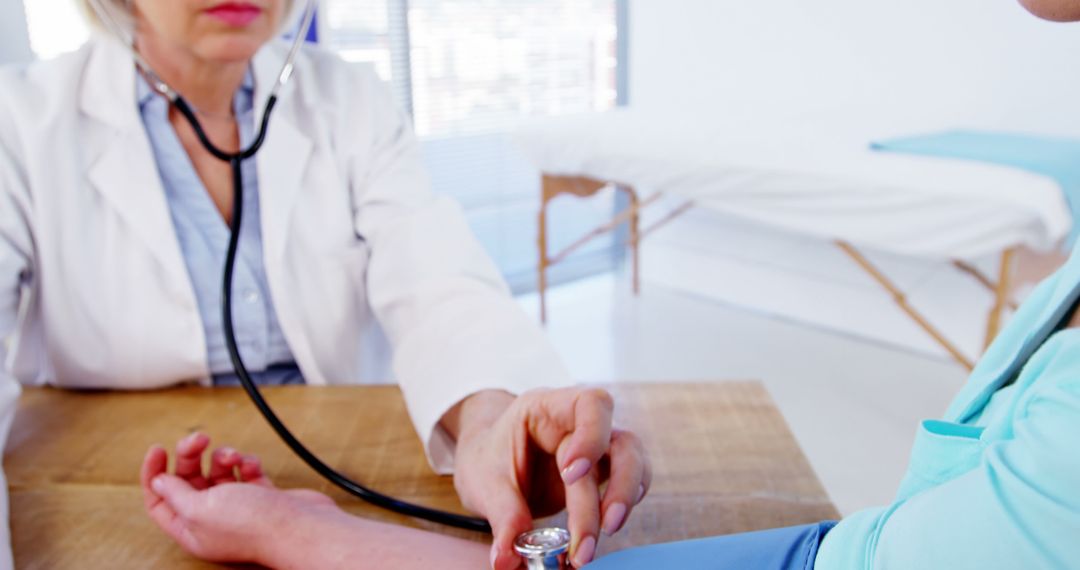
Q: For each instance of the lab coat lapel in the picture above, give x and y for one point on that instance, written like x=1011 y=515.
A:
x=120 y=162
x=283 y=160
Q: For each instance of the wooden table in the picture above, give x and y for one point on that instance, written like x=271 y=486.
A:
x=724 y=462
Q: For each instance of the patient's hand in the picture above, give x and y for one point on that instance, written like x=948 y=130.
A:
x=226 y=513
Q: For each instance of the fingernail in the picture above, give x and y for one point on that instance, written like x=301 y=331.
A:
x=585 y=552
x=157 y=485
x=640 y=493
x=494 y=556
x=576 y=471
x=613 y=518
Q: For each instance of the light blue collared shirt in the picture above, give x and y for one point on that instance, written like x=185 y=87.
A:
x=203 y=236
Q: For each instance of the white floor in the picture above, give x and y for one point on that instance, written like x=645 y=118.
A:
x=852 y=404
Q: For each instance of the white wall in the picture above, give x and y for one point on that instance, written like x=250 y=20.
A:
x=970 y=62
x=913 y=65
x=14 y=42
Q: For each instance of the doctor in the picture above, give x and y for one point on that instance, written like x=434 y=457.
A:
x=113 y=226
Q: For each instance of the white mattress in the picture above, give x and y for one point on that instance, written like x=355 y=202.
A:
x=814 y=175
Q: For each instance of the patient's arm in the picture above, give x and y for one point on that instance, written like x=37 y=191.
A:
x=233 y=513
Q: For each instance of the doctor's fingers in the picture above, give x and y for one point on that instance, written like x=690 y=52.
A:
x=583 y=513
x=509 y=516
x=189 y=459
x=631 y=476
x=573 y=423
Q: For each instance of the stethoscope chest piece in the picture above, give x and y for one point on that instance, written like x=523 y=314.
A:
x=544 y=548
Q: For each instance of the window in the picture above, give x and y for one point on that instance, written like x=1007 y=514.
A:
x=54 y=26
x=469 y=71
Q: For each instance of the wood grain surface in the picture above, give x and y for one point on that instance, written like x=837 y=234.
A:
x=723 y=457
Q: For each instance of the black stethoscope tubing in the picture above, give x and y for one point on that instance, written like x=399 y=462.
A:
x=235 y=161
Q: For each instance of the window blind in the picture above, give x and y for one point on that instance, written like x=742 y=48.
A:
x=54 y=27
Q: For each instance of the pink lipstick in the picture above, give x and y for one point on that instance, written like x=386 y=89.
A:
x=235 y=14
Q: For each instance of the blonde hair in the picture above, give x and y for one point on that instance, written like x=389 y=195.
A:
x=123 y=12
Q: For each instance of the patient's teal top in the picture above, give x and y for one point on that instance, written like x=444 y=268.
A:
x=996 y=482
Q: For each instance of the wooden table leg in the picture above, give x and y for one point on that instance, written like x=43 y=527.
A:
x=901 y=301
x=635 y=236
x=553 y=186
x=1001 y=296
x=543 y=248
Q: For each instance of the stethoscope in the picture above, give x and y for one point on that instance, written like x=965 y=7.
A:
x=235 y=160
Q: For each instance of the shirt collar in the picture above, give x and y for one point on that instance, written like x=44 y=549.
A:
x=243 y=102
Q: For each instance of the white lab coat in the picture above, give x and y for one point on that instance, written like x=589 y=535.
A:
x=94 y=292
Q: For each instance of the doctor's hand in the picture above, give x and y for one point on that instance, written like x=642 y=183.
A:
x=529 y=457
x=224 y=513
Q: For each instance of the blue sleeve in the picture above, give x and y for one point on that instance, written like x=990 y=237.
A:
x=792 y=548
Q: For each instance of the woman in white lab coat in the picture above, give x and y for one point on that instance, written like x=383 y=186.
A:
x=105 y=261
